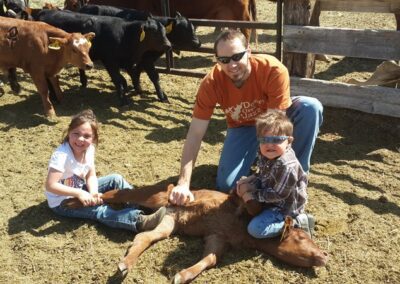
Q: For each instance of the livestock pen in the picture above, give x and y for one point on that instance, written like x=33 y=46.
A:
x=353 y=190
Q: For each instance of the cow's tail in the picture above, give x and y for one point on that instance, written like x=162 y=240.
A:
x=253 y=17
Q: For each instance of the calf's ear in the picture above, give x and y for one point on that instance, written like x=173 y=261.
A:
x=55 y=43
x=168 y=27
x=142 y=34
x=89 y=36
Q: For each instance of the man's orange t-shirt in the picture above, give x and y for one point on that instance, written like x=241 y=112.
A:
x=266 y=88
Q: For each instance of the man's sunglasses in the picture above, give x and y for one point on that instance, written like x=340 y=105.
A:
x=226 y=59
x=272 y=139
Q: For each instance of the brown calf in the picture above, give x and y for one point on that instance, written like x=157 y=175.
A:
x=42 y=51
x=218 y=218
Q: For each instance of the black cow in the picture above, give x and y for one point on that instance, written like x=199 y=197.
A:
x=14 y=9
x=180 y=33
x=118 y=43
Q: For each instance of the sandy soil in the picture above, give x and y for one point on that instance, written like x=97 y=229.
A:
x=354 y=182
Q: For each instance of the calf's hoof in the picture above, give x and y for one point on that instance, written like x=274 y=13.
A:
x=164 y=99
x=1 y=91
x=122 y=270
x=177 y=279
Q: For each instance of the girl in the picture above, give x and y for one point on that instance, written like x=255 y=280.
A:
x=72 y=173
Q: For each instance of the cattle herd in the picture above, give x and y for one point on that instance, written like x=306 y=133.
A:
x=118 y=38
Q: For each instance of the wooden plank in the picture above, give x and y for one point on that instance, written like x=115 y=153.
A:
x=377 y=6
x=376 y=44
x=297 y=12
x=371 y=99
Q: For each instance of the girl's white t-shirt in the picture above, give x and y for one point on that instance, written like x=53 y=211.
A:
x=74 y=172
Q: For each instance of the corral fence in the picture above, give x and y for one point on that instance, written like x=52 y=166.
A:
x=259 y=25
x=302 y=38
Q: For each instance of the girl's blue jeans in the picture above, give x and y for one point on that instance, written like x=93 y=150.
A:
x=125 y=218
x=240 y=146
x=268 y=224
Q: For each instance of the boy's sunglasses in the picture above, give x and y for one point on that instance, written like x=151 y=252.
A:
x=226 y=59
x=272 y=139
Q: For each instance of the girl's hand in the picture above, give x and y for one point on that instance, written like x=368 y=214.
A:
x=86 y=198
x=97 y=198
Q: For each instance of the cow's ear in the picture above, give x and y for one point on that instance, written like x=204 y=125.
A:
x=55 y=43
x=178 y=15
x=89 y=36
x=168 y=27
x=142 y=34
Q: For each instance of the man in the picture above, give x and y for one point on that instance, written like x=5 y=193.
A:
x=244 y=86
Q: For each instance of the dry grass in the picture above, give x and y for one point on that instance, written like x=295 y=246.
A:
x=354 y=183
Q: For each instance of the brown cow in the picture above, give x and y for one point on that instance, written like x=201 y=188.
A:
x=42 y=51
x=238 y=10
x=219 y=219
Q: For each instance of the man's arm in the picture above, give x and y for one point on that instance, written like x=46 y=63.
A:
x=181 y=193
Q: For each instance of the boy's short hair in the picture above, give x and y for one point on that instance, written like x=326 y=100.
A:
x=274 y=121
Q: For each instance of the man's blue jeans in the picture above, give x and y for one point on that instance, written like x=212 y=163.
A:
x=240 y=146
x=125 y=218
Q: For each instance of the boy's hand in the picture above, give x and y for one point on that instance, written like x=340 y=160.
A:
x=243 y=188
x=247 y=196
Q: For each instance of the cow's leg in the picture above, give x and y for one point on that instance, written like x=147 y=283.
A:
x=119 y=82
x=155 y=78
x=144 y=240
x=83 y=78
x=134 y=73
x=214 y=248
x=40 y=82
x=1 y=88
x=12 y=78
x=55 y=84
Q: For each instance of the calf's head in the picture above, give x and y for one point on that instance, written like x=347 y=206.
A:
x=153 y=36
x=181 y=33
x=295 y=247
x=76 y=47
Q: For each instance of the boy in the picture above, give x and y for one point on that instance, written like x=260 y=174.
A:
x=280 y=182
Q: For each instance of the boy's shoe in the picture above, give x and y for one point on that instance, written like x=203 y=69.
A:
x=306 y=222
x=149 y=222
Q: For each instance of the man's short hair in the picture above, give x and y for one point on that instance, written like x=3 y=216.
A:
x=230 y=35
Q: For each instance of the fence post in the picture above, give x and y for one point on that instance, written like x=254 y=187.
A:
x=300 y=13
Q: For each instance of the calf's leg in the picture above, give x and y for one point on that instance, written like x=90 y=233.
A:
x=40 y=82
x=155 y=78
x=55 y=84
x=83 y=78
x=214 y=248
x=12 y=78
x=119 y=82
x=144 y=240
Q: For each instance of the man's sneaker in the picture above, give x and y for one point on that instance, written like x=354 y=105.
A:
x=306 y=222
x=149 y=222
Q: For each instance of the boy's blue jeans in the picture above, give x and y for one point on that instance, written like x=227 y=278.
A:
x=240 y=146
x=125 y=218
x=267 y=224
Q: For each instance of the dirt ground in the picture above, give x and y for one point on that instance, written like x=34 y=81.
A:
x=353 y=192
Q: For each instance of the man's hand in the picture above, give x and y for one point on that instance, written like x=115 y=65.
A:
x=181 y=194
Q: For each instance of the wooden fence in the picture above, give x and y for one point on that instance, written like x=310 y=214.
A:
x=302 y=39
